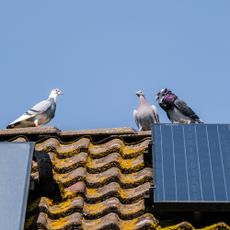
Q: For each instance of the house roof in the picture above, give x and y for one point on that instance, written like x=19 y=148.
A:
x=103 y=175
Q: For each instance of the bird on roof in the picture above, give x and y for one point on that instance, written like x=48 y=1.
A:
x=177 y=110
x=39 y=114
x=145 y=114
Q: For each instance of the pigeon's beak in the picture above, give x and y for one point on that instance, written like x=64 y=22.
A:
x=157 y=98
x=161 y=101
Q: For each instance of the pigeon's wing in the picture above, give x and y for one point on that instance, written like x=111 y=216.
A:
x=185 y=109
x=39 y=108
x=136 y=117
x=155 y=114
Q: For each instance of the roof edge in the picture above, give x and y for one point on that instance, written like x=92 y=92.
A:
x=30 y=131
x=51 y=130
x=100 y=131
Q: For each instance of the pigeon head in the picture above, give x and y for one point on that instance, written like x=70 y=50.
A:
x=140 y=93
x=165 y=98
x=57 y=91
x=54 y=93
x=160 y=95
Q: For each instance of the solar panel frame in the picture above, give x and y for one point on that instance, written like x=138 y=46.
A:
x=15 y=168
x=191 y=165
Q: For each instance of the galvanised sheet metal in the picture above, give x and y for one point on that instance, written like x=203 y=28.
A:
x=191 y=163
x=15 y=168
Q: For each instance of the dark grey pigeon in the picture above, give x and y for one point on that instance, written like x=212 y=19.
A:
x=177 y=110
x=39 y=114
x=145 y=115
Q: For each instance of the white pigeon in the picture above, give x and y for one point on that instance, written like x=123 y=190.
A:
x=145 y=115
x=39 y=114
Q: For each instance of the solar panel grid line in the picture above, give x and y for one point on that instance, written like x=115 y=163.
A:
x=212 y=176
x=174 y=164
x=186 y=163
x=198 y=157
x=222 y=162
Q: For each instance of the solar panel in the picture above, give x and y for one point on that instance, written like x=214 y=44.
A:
x=15 y=167
x=191 y=164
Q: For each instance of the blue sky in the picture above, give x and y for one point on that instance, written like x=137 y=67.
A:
x=101 y=52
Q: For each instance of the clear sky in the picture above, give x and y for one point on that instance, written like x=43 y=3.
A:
x=101 y=52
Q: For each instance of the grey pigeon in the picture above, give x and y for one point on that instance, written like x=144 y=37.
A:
x=177 y=110
x=145 y=115
x=39 y=114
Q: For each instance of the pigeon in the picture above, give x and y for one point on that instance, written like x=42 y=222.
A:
x=177 y=110
x=39 y=114
x=145 y=115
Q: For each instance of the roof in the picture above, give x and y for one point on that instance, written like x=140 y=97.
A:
x=103 y=175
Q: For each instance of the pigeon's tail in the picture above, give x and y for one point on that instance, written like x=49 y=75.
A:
x=10 y=126
x=198 y=121
x=14 y=125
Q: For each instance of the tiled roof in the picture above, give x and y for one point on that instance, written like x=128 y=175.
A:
x=102 y=176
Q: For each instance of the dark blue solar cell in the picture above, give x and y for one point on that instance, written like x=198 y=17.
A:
x=224 y=139
x=180 y=163
x=168 y=163
x=157 y=160
x=192 y=162
x=205 y=166
x=216 y=163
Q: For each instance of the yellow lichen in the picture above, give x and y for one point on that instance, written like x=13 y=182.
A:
x=67 y=194
x=94 y=208
x=91 y=192
x=218 y=226
x=123 y=194
x=128 y=225
x=62 y=207
x=135 y=149
x=58 y=224
x=183 y=225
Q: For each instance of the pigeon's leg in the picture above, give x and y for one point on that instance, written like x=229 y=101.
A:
x=36 y=123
